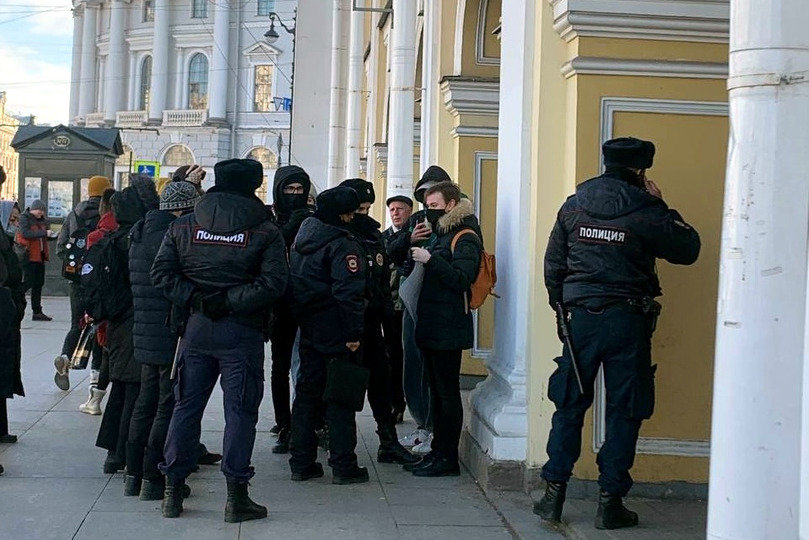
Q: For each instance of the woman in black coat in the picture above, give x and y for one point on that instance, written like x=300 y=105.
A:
x=444 y=320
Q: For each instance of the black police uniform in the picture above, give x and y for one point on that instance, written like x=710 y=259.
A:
x=327 y=275
x=600 y=264
x=288 y=211
x=227 y=262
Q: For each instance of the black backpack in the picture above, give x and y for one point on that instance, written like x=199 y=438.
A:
x=75 y=251
x=105 y=289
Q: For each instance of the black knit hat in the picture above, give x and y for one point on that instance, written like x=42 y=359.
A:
x=179 y=196
x=365 y=190
x=242 y=176
x=629 y=153
x=334 y=202
x=432 y=176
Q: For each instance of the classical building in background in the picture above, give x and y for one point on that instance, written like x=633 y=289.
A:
x=187 y=81
x=8 y=157
x=514 y=98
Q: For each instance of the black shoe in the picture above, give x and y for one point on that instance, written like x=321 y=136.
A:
x=275 y=429
x=132 y=485
x=612 y=514
x=172 y=505
x=390 y=451
x=439 y=467
x=550 y=507
x=41 y=317
x=209 y=458
x=282 y=446
x=315 y=470
x=357 y=476
x=152 y=490
x=112 y=465
x=239 y=506
x=424 y=462
x=2 y=470
x=8 y=439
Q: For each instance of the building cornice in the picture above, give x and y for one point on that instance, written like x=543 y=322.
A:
x=586 y=65
x=464 y=95
x=674 y=20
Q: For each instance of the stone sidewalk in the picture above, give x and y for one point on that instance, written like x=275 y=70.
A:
x=54 y=488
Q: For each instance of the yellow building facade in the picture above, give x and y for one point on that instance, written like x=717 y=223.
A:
x=514 y=98
x=8 y=156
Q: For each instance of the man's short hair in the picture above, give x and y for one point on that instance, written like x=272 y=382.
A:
x=448 y=190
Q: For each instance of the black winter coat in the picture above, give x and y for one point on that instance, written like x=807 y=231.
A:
x=606 y=239
x=154 y=343
x=377 y=279
x=84 y=215
x=398 y=244
x=444 y=318
x=228 y=244
x=12 y=310
x=327 y=274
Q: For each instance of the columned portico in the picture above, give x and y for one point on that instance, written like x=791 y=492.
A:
x=354 y=114
x=88 y=59
x=220 y=70
x=75 y=75
x=160 y=62
x=115 y=78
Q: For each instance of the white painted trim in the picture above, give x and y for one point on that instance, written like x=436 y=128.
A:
x=474 y=131
x=480 y=38
x=584 y=65
x=457 y=57
x=480 y=157
x=465 y=96
x=675 y=20
x=610 y=106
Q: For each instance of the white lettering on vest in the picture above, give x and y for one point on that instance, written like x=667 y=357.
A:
x=602 y=235
x=201 y=236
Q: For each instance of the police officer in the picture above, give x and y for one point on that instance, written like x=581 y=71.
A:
x=226 y=262
x=327 y=275
x=379 y=306
x=600 y=267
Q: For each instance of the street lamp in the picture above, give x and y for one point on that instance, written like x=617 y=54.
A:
x=271 y=36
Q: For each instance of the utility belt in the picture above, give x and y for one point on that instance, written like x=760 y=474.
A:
x=647 y=305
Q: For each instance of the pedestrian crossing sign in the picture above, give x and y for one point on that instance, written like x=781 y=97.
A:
x=150 y=168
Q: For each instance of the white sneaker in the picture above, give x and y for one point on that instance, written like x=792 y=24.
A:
x=94 y=375
x=61 y=378
x=415 y=438
x=424 y=448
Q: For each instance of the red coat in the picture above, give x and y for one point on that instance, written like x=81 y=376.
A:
x=33 y=234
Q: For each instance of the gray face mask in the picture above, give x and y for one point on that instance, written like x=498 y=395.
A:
x=11 y=230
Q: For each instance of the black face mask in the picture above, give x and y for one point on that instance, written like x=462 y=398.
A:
x=295 y=201
x=364 y=224
x=433 y=215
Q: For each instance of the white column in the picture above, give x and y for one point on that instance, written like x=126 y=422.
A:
x=373 y=97
x=102 y=72
x=337 y=130
x=217 y=98
x=87 y=93
x=354 y=116
x=116 y=63
x=757 y=452
x=134 y=83
x=179 y=77
x=402 y=106
x=430 y=75
x=499 y=421
x=75 y=68
x=160 y=61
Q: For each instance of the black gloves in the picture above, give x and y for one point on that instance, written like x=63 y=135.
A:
x=290 y=229
x=560 y=327
x=213 y=305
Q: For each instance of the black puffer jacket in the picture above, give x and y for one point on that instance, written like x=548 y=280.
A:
x=229 y=245
x=444 y=318
x=12 y=310
x=606 y=239
x=153 y=340
x=84 y=215
x=327 y=274
x=372 y=244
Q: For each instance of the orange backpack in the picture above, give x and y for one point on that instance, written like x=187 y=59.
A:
x=484 y=283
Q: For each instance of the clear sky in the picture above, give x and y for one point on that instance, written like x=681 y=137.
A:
x=36 y=42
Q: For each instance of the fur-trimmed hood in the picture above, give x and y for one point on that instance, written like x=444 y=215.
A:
x=457 y=216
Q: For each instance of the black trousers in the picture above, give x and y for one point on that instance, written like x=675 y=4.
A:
x=282 y=341
x=444 y=370
x=617 y=338
x=375 y=359
x=150 y=422
x=393 y=340
x=104 y=368
x=35 y=278
x=76 y=313
x=307 y=413
x=3 y=417
x=114 y=430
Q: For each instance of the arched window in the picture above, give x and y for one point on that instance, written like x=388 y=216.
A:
x=198 y=82
x=269 y=161
x=177 y=156
x=145 y=83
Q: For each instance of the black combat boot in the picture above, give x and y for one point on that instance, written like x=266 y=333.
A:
x=172 y=505
x=282 y=446
x=359 y=475
x=612 y=514
x=440 y=466
x=315 y=470
x=390 y=451
x=240 y=507
x=132 y=485
x=424 y=462
x=152 y=490
x=550 y=507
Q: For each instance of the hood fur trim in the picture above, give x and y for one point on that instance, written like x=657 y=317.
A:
x=454 y=218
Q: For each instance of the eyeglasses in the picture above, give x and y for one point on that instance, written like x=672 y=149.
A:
x=291 y=190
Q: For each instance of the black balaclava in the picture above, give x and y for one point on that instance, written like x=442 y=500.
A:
x=286 y=203
x=334 y=202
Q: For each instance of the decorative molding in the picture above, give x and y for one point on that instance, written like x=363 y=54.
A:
x=474 y=131
x=673 y=20
x=610 y=106
x=381 y=157
x=480 y=38
x=587 y=65
x=480 y=157
x=471 y=96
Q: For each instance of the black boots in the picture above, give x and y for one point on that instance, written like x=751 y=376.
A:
x=390 y=451
x=239 y=506
x=612 y=514
x=112 y=464
x=282 y=446
x=172 y=505
x=550 y=507
x=424 y=462
x=440 y=466
x=132 y=485
x=315 y=470
x=359 y=475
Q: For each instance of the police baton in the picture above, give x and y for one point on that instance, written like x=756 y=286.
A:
x=176 y=359
x=560 y=313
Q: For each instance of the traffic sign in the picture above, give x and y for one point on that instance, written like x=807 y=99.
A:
x=151 y=168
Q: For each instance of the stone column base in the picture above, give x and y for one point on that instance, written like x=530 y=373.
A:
x=491 y=474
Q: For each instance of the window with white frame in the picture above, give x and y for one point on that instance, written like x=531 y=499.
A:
x=199 y=9
x=265 y=7
x=145 y=83
x=148 y=10
x=177 y=156
x=262 y=89
x=269 y=162
x=198 y=82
